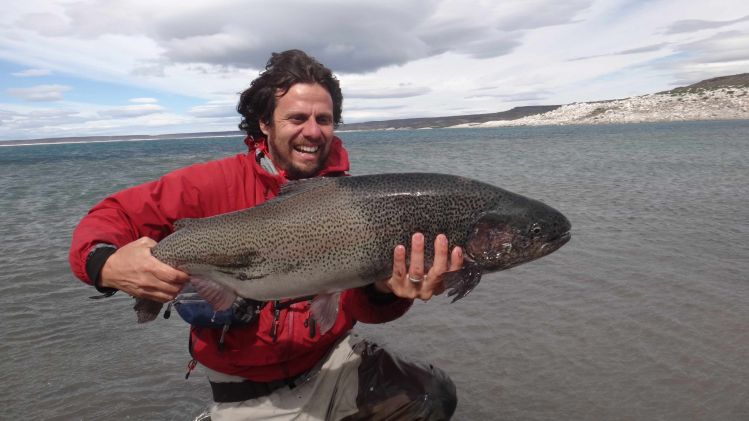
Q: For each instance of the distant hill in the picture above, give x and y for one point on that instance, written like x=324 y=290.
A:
x=437 y=122
x=733 y=81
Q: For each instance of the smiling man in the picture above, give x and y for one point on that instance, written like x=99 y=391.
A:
x=274 y=364
x=301 y=130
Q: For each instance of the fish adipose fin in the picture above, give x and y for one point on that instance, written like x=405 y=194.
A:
x=218 y=296
x=146 y=310
x=462 y=281
x=324 y=310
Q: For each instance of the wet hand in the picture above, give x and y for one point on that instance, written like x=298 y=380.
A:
x=413 y=281
x=134 y=270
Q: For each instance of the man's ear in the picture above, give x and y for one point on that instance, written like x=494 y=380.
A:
x=265 y=128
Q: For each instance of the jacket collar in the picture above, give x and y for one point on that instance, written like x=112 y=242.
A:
x=336 y=164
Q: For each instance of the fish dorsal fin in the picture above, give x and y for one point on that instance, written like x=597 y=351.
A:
x=294 y=187
x=183 y=223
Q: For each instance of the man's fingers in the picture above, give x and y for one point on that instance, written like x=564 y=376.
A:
x=167 y=273
x=399 y=261
x=440 y=254
x=416 y=266
x=456 y=259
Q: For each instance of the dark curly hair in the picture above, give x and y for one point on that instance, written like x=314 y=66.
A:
x=284 y=70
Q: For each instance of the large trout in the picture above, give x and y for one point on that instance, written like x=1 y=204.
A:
x=323 y=235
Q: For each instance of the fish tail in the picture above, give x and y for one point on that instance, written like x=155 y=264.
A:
x=146 y=310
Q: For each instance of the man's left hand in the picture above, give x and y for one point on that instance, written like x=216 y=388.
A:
x=412 y=281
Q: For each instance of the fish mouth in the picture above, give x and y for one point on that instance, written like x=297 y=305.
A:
x=554 y=244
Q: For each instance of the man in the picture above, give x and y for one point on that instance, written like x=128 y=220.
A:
x=278 y=365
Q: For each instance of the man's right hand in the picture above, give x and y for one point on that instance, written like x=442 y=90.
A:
x=134 y=270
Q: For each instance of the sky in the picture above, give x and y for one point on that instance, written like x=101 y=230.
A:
x=86 y=68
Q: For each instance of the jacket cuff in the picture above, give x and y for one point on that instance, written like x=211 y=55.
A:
x=95 y=260
x=379 y=298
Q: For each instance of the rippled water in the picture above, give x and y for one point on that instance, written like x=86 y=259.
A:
x=643 y=315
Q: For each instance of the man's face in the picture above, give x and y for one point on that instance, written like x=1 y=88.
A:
x=300 y=134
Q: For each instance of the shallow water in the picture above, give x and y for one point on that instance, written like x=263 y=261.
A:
x=643 y=315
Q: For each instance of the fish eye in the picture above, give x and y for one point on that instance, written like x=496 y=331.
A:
x=535 y=229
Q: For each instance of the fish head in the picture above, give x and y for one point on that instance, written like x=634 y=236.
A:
x=504 y=238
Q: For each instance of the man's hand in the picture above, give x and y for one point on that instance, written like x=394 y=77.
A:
x=402 y=282
x=134 y=270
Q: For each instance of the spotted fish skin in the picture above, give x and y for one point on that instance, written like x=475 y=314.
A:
x=324 y=235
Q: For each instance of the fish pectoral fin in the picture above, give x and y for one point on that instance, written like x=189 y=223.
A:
x=324 y=310
x=462 y=281
x=146 y=310
x=217 y=295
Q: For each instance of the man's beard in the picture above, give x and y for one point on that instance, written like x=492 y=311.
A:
x=294 y=173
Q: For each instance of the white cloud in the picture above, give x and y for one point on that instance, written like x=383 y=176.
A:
x=131 y=111
x=693 y=25
x=215 y=109
x=401 y=91
x=39 y=92
x=143 y=100
x=33 y=73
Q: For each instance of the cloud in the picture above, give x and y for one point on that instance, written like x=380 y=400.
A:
x=143 y=100
x=637 y=50
x=33 y=73
x=380 y=93
x=230 y=34
x=39 y=92
x=529 y=96
x=723 y=47
x=693 y=25
x=722 y=54
x=215 y=110
x=131 y=111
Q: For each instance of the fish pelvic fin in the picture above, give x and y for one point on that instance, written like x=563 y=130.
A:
x=324 y=309
x=146 y=310
x=218 y=296
x=461 y=282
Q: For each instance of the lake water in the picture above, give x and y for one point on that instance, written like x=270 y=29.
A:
x=644 y=315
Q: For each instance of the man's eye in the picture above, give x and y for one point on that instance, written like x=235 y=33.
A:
x=324 y=120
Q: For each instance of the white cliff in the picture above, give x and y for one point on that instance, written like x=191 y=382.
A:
x=724 y=103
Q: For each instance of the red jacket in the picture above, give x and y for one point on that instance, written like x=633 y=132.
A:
x=209 y=189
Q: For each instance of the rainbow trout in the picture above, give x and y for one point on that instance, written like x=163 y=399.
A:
x=323 y=235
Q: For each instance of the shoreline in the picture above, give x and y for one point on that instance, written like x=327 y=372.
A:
x=725 y=103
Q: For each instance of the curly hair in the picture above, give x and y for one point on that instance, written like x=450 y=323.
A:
x=284 y=70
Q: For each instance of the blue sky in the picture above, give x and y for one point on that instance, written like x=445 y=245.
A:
x=82 y=68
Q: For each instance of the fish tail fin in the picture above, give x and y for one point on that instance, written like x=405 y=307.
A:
x=462 y=281
x=146 y=310
x=324 y=309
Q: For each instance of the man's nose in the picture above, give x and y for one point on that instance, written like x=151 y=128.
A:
x=311 y=129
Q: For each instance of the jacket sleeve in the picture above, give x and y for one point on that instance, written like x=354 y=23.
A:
x=150 y=210
x=369 y=306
